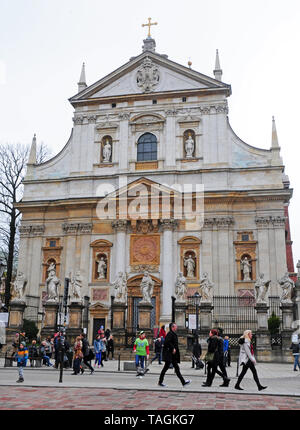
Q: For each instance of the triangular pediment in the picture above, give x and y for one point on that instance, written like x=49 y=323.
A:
x=143 y=186
x=149 y=73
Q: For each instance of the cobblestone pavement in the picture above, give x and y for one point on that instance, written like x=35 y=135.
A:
x=45 y=398
x=110 y=389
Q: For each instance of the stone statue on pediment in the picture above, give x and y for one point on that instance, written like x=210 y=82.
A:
x=180 y=288
x=19 y=287
x=287 y=285
x=52 y=283
x=120 y=285
x=76 y=286
x=261 y=287
x=206 y=288
x=147 y=286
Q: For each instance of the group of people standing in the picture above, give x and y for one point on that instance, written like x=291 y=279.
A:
x=83 y=354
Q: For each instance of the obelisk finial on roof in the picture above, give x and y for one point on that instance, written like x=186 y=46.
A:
x=32 y=154
x=218 y=71
x=82 y=80
x=275 y=148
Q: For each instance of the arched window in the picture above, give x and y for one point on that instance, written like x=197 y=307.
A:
x=147 y=147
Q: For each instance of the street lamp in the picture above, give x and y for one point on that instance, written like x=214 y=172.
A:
x=196 y=300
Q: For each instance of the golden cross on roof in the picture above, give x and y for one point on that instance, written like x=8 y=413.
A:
x=149 y=26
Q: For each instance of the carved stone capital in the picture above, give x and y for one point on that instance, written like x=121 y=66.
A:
x=168 y=224
x=270 y=221
x=220 y=222
x=77 y=228
x=124 y=116
x=119 y=224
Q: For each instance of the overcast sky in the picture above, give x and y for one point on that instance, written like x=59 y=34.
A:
x=43 y=44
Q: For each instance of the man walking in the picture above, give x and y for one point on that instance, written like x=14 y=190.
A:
x=171 y=355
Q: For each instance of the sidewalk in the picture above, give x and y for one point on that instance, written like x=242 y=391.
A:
x=280 y=379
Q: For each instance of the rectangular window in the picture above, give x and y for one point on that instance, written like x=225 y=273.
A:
x=184 y=99
x=113 y=105
x=154 y=102
x=52 y=243
x=245 y=237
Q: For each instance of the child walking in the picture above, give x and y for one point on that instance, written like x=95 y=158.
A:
x=22 y=357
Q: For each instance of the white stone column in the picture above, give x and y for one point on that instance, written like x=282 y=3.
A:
x=120 y=227
x=123 y=140
x=167 y=226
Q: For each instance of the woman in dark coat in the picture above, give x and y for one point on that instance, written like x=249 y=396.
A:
x=215 y=349
x=171 y=355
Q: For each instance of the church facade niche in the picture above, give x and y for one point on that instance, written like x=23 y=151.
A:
x=106 y=149
x=101 y=256
x=189 y=144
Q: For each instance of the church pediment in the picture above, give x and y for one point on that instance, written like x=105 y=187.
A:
x=148 y=73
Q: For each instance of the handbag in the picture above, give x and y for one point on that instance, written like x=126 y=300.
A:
x=209 y=356
x=91 y=355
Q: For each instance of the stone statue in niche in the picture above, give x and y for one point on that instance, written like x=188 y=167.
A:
x=147 y=286
x=180 y=288
x=206 y=287
x=102 y=267
x=189 y=263
x=189 y=146
x=261 y=287
x=52 y=283
x=246 y=269
x=19 y=287
x=120 y=285
x=106 y=152
x=76 y=285
x=287 y=285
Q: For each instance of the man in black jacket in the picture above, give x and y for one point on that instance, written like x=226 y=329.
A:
x=171 y=355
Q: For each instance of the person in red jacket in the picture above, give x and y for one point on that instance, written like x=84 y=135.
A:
x=162 y=332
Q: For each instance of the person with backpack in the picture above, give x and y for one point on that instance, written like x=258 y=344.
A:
x=196 y=354
x=247 y=360
x=214 y=358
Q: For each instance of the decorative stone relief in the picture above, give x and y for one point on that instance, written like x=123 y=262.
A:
x=34 y=230
x=74 y=228
x=147 y=77
x=219 y=222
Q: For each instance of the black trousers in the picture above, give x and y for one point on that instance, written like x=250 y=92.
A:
x=87 y=363
x=251 y=366
x=212 y=369
x=176 y=368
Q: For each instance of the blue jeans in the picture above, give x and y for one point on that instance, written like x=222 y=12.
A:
x=98 y=358
x=139 y=360
x=296 y=361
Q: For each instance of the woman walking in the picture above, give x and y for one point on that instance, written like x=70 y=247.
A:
x=247 y=360
x=214 y=359
x=78 y=355
x=295 y=347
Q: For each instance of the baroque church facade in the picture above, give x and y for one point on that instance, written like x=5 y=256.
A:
x=147 y=132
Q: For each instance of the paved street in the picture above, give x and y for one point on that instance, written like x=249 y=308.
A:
x=109 y=388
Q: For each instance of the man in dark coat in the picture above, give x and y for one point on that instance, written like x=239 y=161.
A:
x=171 y=355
